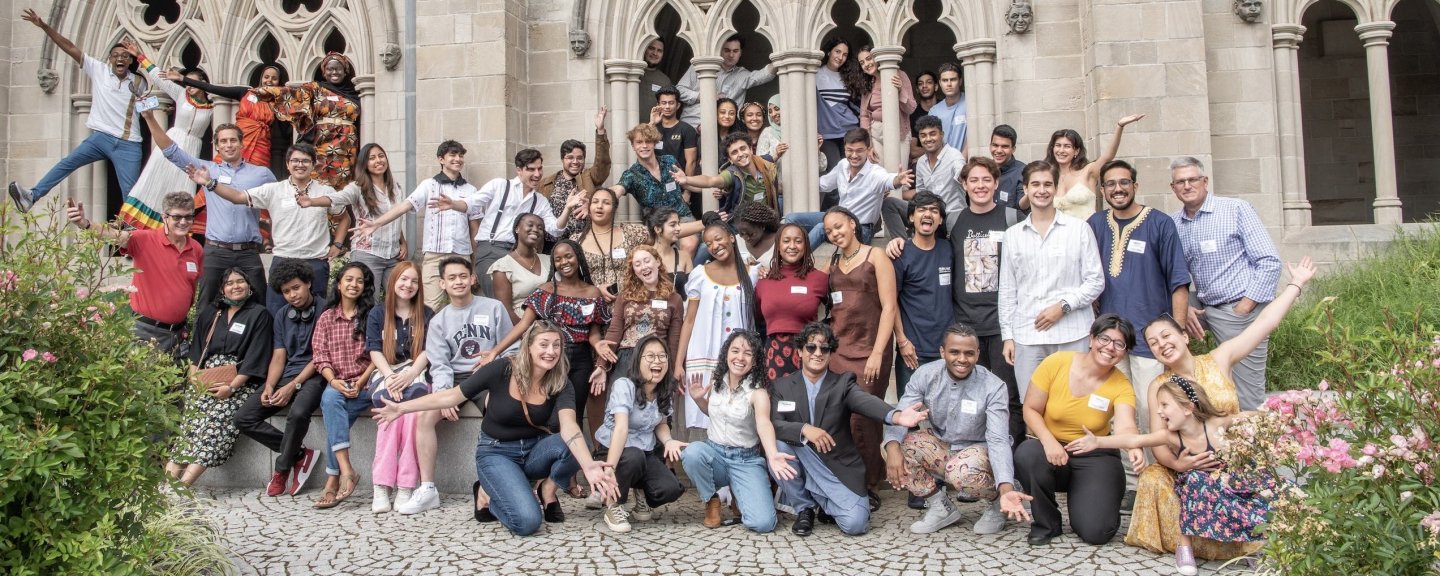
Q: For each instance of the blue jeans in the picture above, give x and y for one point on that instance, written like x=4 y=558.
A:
x=124 y=155
x=815 y=221
x=340 y=414
x=815 y=484
x=506 y=469
x=903 y=372
x=712 y=466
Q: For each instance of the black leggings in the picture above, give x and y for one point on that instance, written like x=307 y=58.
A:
x=1095 y=482
x=582 y=362
x=647 y=472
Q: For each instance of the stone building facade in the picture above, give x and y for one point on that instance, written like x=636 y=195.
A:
x=1321 y=113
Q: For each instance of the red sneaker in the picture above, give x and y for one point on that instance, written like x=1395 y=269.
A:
x=277 y=484
x=303 y=467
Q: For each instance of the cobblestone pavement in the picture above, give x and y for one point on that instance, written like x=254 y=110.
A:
x=286 y=536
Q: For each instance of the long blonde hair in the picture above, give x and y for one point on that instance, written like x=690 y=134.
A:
x=417 y=314
x=523 y=366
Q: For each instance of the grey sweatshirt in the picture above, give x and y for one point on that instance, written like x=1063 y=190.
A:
x=457 y=337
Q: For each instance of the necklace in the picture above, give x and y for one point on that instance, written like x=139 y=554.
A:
x=851 y=256
x=533 y=269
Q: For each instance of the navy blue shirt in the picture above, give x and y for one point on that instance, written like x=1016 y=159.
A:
x=404 y=329
x=293 y=335
x=1009 y=190
x=923 y=281
x=1144 y=265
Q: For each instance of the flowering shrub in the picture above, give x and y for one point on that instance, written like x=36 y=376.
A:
x=82 y=412
x=1362 y=448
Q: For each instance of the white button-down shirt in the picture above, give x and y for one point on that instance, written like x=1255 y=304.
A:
x=863 y=193
x=446 y=231
x=302 y=233
x=944 y=178
x=501 y=202
x=1037 y=271
x=112 y=105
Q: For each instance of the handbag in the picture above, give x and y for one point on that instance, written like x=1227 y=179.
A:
x=378 y=393
x=207 y=377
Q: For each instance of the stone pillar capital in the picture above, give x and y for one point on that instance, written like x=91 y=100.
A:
x=624 y=69
x=365 y=85
x=80 y=102
x=976 y=51
x=795 y=61
x=1287 y=35
x=1376 y=33
x=706 y=66
x=888 y=56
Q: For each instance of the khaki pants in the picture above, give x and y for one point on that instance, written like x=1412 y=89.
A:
x=435 y=296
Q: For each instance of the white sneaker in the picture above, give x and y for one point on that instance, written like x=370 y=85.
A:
x=617 y=518
x=992 y=521
x=380 y=503
x=939 y=513
x=642 y=511
x=402 y=496
x=422 y=499
x=594 y=501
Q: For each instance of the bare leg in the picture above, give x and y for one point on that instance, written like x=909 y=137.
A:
x=425 y=444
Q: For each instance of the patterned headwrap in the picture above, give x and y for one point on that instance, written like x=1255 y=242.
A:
x=344 y=60
x=1187 y=387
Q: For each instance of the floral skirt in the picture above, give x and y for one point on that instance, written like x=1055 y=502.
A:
x=1155 y=521
x=782 y=356
x=1222 y=507
x=207 y=429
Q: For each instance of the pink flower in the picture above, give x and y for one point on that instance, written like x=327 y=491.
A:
x=29 y=355
x=9 y=280
x=48 y=357
x=1421 y=468
x=1406 y=496
x=1435 y=362
x=1369 y=449
x=1432 y=522
x=1376 y=472
x=82 y=292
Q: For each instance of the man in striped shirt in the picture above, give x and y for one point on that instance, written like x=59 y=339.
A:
x=1234 y=265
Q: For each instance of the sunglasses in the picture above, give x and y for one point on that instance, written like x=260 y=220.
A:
x=181 y=217
x=818 y=348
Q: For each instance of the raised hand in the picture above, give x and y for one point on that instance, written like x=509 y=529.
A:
x=443 y=202
x=198 y=174
x=1131 y=119
x=75 y=212
x=911 y=416
x=30 y=16
x=174 y=75
x=1301 y=273
x=780 y=150
x=363 y=229
x=678 y=176
x=600 y=118
x=133 y=48
x=697 y=387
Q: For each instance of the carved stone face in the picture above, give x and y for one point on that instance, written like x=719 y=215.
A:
x=1020 y=16
x=1249 y=10
x=579 y=42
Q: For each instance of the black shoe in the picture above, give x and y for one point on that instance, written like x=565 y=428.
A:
x=874 y=500
x=804 y=523
x=1128 y=502
x=1040 y=538
x=915 y=502
x=554 y=514
x=481 y=514
x=966 y=497
x=822 y=517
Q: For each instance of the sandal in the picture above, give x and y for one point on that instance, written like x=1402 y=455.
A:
x=578 y=491
x=327 y=501
x=345 y=491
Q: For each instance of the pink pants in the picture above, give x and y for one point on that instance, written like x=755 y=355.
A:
x=395 y=464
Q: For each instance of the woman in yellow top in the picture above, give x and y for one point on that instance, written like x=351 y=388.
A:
x=1155 y=520
x=1070 y=393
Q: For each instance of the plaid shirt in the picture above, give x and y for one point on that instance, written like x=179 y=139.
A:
x=336 y=348
x=1230 y=254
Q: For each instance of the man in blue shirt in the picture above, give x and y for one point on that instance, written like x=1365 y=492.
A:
x=951 y=109
x=923 y=274
x=293 y=381
x=232 y=231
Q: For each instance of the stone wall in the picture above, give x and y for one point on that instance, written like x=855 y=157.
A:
x=1415 y=95
x=1335 y=107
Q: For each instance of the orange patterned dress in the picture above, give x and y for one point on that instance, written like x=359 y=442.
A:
x=1155 y=521
x=335 y=119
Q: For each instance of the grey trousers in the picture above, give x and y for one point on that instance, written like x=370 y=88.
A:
x=1249 y=373
x=1029 y=356
x=378 y=266
x=487 y=253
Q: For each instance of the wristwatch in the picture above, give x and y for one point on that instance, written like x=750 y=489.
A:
x=298 y=384
x=212 y=184
x=1064 y=307
x=338 y=245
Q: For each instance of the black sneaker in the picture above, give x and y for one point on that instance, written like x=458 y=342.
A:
x=21 y=197
x=554 y=514
x=915 y=502
x=874 y=500
x=804 y=523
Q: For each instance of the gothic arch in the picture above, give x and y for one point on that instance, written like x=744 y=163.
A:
x=246 y=57
x=312 y=49
x=720 y=24
x=169 y=52
x=1293 y=11
x=633 y=23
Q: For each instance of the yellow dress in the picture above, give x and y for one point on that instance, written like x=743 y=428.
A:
x=1155 y=521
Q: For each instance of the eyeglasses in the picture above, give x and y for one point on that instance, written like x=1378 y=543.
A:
x=1104 y=341
x=1193 y=181
x=1123 y=182
x=653 y=358
x=181 y=217
x=818 y=349
x=301 y=161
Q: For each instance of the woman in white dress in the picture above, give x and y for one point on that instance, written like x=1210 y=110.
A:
x=1079 y=177
x=193 y=111
x=720 y=300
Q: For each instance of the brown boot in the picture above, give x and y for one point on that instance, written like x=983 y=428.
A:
x=712 y=512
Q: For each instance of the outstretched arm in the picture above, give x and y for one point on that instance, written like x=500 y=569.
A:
x=61 y=42
x=1114 y=148
x=1231 y=351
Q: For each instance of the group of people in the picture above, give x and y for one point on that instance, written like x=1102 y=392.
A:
x=1031 y=336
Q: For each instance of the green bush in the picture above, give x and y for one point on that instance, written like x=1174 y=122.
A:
x=1402 y=278
x=83 y=416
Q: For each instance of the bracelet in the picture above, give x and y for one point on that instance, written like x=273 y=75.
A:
x=1298 y=289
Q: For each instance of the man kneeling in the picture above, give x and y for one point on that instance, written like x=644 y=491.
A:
x=967 y=446
x=812 y=411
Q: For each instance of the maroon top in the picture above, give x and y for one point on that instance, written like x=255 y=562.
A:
x=788 y=304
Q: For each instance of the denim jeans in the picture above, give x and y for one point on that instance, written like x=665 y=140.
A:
x=815 y=221
x=340 y=413
x=903 y=372
x=712 y=466
x=124 y=155
x=816 y=485
x=506 y=469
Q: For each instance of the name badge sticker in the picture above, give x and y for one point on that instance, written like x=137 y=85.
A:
x=333 y=98
x=237 y=328
x=481 y=320
x=223 y=179
x=1208 y=246
x=659 y=304
x=660 y=145
x=1055 y=251
x=190 y=267
x=758 y=196
x=837 y=297
x=654 y=87
x=799 y=290
x=252 y=98
x=945 y=278
x=969 y=407
x=587 y=309
x=669 y=186
x=1099 y=402
x=617 y=253
x=1004 y=196
x=997 y=235
x=1136 y=246
x=785 y=406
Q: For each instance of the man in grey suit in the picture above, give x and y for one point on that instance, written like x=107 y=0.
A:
x=811 y=410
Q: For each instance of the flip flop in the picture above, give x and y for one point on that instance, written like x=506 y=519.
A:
x=346 y=492
x=327 y=501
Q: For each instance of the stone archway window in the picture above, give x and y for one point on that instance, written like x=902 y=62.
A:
x=190 y=55
x=294 y=6
x=157 y=10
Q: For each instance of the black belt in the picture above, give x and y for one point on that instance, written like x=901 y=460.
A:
x=239 y=247
x=168 y=327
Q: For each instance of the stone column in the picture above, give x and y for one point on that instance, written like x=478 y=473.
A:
x=365 y=85
x=1294 y=206
x=224 y=111
x=887 y=58
x=623 y=77
x=82 y=185
x=978 y=59
x=706 y=70
x=810 y=189
x=789 y=67
x=1376 y=36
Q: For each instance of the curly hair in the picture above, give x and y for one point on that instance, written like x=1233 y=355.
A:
x=632 y=288
x=756 y=379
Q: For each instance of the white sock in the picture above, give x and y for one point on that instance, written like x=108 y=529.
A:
x=430 y=485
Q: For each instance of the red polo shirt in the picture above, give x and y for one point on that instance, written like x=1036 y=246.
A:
x=165 y=276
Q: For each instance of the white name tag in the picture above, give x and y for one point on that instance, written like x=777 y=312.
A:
x=959 y=119
x=237 y=328
x=1054 y=251
x=660 y=304
x=190 y=267
x=587 y=309
x=660 y=145
x=669 y=186
x=333 y=98
x=1208 y=246
x=481 y=320
x=1004 y=196
x=837 y=297
x=654 y=87
x=223 y=179
x=785 y=406
x=617 y=253
x=1136 y=246
x=969 y=407
x=758 y=197
x=252 y=98
x=997 y=235
x=1099 y=402
x=799 y=290
x=944 y=278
